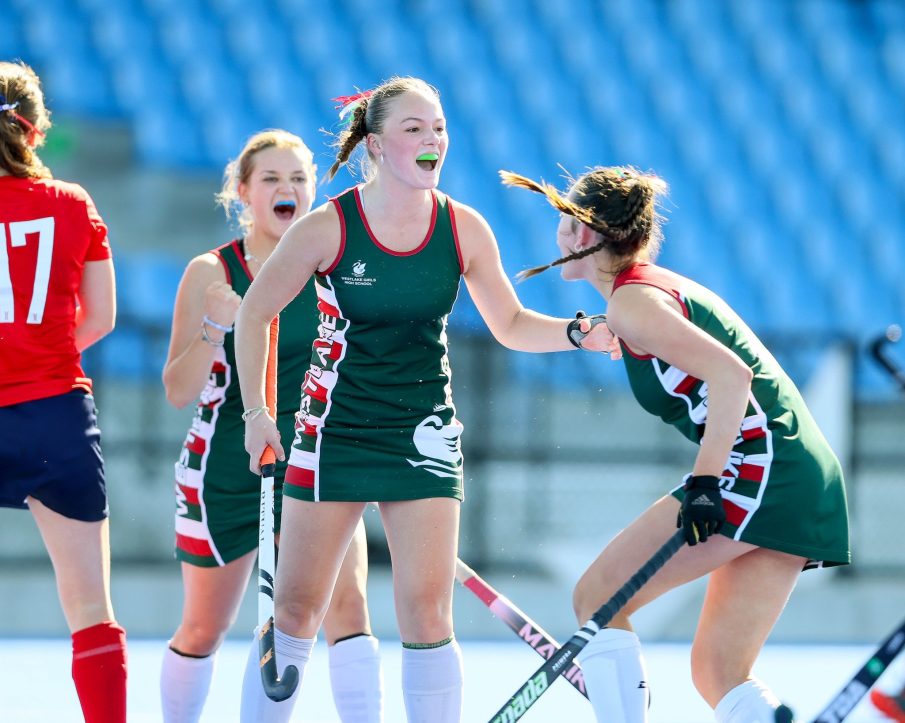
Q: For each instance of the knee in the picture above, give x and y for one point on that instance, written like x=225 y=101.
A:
x=299 y=616
x=713 y=675
x=349 y=610
x=426 y=617
x=198 y=638
x=587 y=597
x=581 y=601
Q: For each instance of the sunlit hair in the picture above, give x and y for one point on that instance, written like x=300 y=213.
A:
x=239 y=170
x=22 y=129
x=618 y=202
x=369 y=116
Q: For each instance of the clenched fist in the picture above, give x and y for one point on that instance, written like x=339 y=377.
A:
x=221 y=303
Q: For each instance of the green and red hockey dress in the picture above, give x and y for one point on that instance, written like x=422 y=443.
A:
x=217 y=497
x=377 y=421
x=782 y=487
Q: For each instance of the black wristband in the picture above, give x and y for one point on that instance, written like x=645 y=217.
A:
x=573 y=329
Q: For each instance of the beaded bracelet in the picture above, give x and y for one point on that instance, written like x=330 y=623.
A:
x=252 y=413
x=212 y=342
x=214 y=325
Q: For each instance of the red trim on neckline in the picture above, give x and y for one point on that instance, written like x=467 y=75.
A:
x=455 y=233
x=657 y=283
x=342 y=238
x=419 y=247
x=240 y=252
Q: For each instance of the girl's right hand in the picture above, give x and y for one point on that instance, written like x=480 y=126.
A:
x=221 y=303
x=261 y=431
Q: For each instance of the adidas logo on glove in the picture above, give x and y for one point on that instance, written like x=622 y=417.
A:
x=702 y=501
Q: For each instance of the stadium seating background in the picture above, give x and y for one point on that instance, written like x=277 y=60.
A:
x=777 y=124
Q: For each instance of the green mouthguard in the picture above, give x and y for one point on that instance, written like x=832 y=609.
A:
x=428 y=157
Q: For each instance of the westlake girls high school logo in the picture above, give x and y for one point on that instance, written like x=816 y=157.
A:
x=358 y=277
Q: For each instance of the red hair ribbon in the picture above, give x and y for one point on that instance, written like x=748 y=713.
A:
x=345 y=100
x=348 y=104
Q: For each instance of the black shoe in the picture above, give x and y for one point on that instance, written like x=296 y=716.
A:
x=784 y=714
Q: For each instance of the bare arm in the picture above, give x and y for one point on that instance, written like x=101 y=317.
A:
x=96 y=314
x=511 y=324
x=203 y=291
x=650 y=322
x=311 y=243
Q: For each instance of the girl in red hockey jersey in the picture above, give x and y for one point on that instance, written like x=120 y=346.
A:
x=57 y=297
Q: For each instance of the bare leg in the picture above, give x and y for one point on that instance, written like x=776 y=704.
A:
x=348 y=611
x=80 y=553
x=748 y=589
x=314 y=539
x=212 y=596
x=632 y=547
x=355 y=674
x=745 y=598
x=423 y=540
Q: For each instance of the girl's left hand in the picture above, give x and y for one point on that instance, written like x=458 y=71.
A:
x=601 y=339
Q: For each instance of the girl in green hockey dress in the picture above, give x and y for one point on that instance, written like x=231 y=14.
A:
x=765 y=478
x=271 y=184
x=377 y=419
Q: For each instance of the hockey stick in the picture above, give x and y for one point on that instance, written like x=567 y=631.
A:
x=543 y=677
x=518 y=622
x=847 y=698
x=879 y=351
x=276 y=688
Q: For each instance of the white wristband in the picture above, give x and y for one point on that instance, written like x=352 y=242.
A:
x=252 y=413
x=214 y=325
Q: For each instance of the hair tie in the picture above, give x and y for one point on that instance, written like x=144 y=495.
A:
x=4 y=106
x=33 y=132
x=346 y=104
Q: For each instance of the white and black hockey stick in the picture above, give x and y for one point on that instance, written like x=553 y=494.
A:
x=879 y=349
x=846 y=699
x=276 y=688
x=526 y=696
x=518 y=622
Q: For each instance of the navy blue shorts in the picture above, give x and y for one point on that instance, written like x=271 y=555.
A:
x=50 y=449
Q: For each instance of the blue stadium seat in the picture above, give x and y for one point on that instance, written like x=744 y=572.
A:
x=146 y=286
x=778 y=124
x=12 y=44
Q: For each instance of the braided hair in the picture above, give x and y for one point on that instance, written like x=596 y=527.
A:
x=369 y=115
x=617 y=202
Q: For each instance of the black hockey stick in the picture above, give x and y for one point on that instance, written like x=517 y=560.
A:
x=847 y=698
x=518 y=622
x=543 y=677
x=879 y=349
x=276 y=688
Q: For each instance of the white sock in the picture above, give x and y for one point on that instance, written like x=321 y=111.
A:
x=615 y=676
x=357 y=680
x=750 y=702
x=432 y=683
x=256 y=706
x=184 y=683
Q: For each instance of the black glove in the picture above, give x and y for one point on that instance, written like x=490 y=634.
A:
x=573 y=329
x=702 y=512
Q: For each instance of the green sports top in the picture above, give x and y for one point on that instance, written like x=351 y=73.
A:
x=377 y=419
x=782 y=486
x=214 y=486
